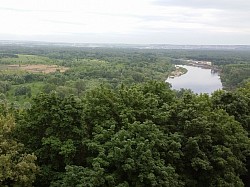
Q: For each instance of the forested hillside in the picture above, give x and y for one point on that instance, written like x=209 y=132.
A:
x=94 y=117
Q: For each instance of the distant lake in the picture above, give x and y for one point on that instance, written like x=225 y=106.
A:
x=197 y=79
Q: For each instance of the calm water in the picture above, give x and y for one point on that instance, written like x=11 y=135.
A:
x=197 y=79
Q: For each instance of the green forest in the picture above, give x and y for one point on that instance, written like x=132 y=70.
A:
x=104 y=117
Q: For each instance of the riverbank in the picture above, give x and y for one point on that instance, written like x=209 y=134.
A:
x=177 y=72
x=199 y=63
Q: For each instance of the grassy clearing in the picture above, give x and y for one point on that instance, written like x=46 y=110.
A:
x=27 y=59
x=30 y=63
x=35 y=89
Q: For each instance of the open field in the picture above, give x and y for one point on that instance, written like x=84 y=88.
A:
x=26 y=59
x=31 y=64
x=35 y=68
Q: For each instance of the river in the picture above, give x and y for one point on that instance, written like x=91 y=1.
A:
x=197 y=79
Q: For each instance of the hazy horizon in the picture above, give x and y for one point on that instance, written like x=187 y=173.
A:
x=174 y=22
x=13 y=41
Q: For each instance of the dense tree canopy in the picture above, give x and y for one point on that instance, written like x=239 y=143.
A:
x=141 y=135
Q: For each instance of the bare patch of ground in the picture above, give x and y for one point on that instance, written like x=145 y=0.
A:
x=38 y=68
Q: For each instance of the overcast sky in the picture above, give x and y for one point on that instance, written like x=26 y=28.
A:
x=127 y=21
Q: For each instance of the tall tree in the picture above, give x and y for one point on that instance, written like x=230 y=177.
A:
x=53 y=129
x=16 y=167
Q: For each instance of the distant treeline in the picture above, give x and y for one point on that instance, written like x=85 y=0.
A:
x=5 y=55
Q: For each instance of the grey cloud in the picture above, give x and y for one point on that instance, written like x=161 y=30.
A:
x=231 y=15
x=234 y=19
x=184 y=17
x=207 y=4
